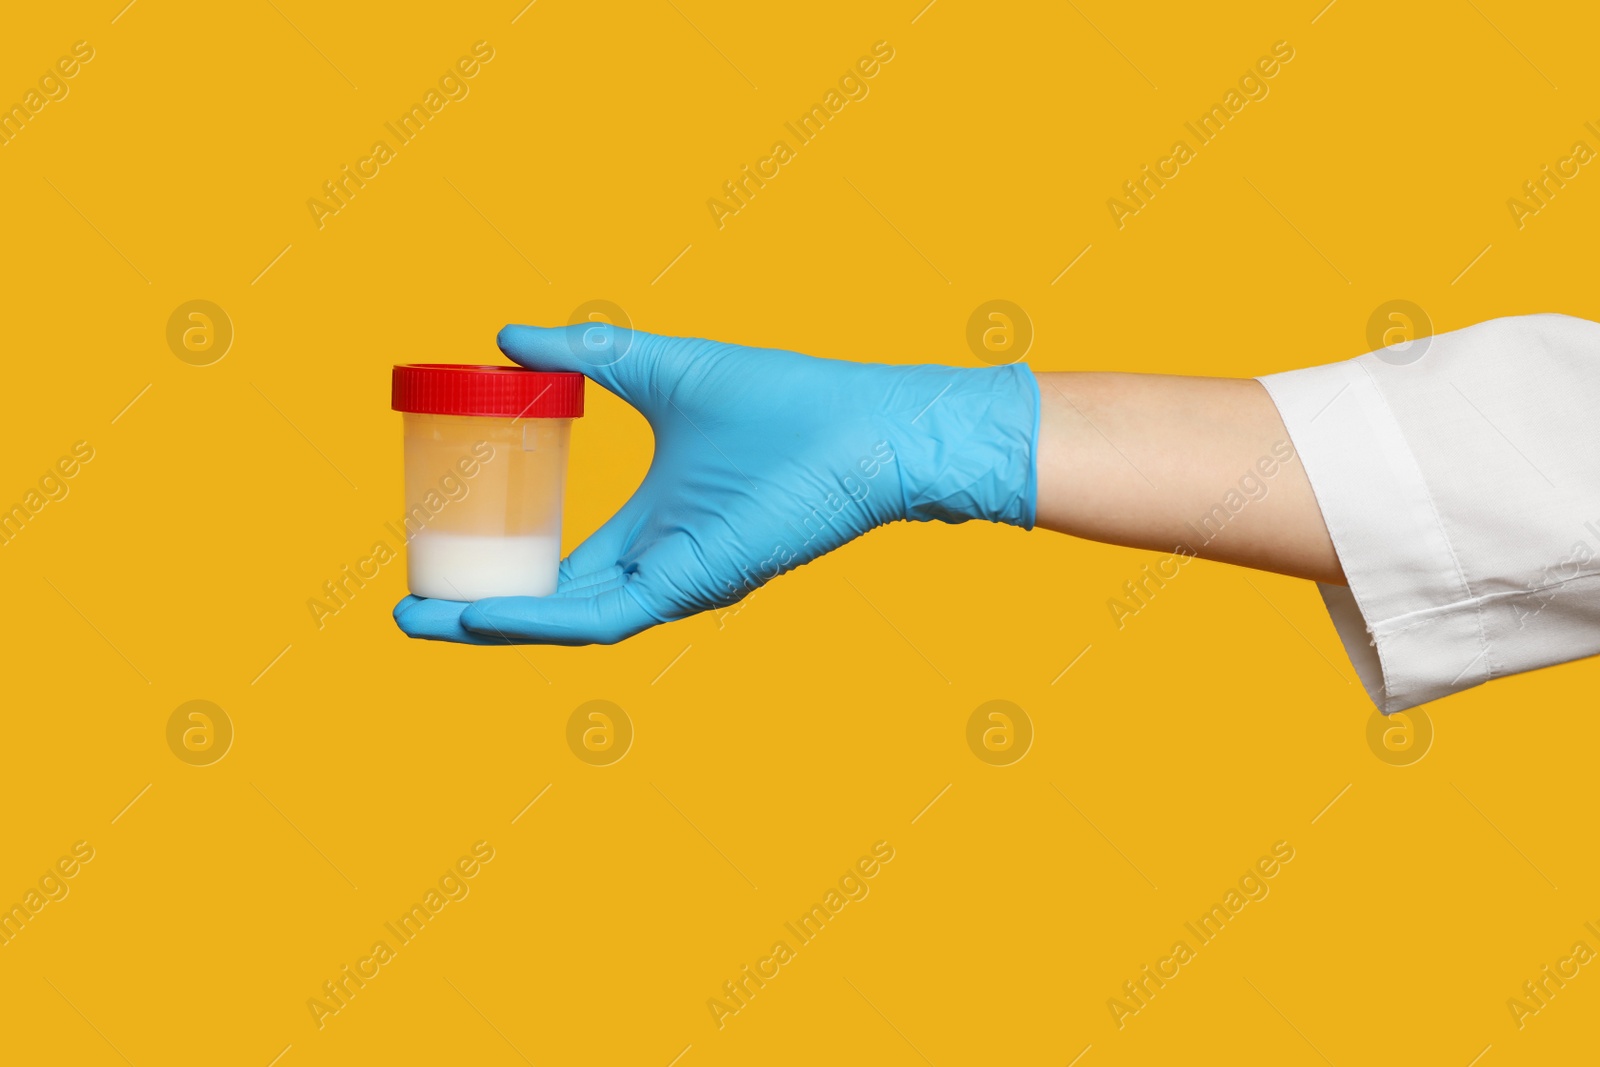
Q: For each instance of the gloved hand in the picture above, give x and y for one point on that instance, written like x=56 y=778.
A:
x=764 y=460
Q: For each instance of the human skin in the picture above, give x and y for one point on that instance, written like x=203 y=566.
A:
x=1135 y=459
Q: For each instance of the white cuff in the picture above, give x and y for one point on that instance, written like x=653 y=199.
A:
x=1462 y=494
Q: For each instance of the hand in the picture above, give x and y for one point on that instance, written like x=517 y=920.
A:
x=764 y=460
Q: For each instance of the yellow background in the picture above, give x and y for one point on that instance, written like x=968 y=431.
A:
x=774 y=746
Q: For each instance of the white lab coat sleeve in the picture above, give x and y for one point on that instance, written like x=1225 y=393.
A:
x=1461 y=487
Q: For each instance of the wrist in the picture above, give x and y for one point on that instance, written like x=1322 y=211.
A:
x=966 y=440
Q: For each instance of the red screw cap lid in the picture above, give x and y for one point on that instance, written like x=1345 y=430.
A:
x=502 y=392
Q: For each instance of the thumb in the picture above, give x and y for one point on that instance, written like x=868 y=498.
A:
x=610 y=355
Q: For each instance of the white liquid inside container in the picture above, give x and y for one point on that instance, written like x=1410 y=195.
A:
x=461 y=566
x=483 y=505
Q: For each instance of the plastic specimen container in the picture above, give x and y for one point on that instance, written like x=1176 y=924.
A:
x=485 y=474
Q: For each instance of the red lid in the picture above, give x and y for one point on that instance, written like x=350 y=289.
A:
x=503 y=392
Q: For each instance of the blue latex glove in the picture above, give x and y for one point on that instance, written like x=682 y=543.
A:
x=764 y=460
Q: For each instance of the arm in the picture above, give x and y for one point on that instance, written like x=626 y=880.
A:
x=1160 y=461
x=765 y=460
x=1460 y=488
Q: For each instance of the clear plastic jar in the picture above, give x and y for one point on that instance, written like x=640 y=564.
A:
x=485 y=474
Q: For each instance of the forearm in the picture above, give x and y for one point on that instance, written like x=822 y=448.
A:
x=1163 y=462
